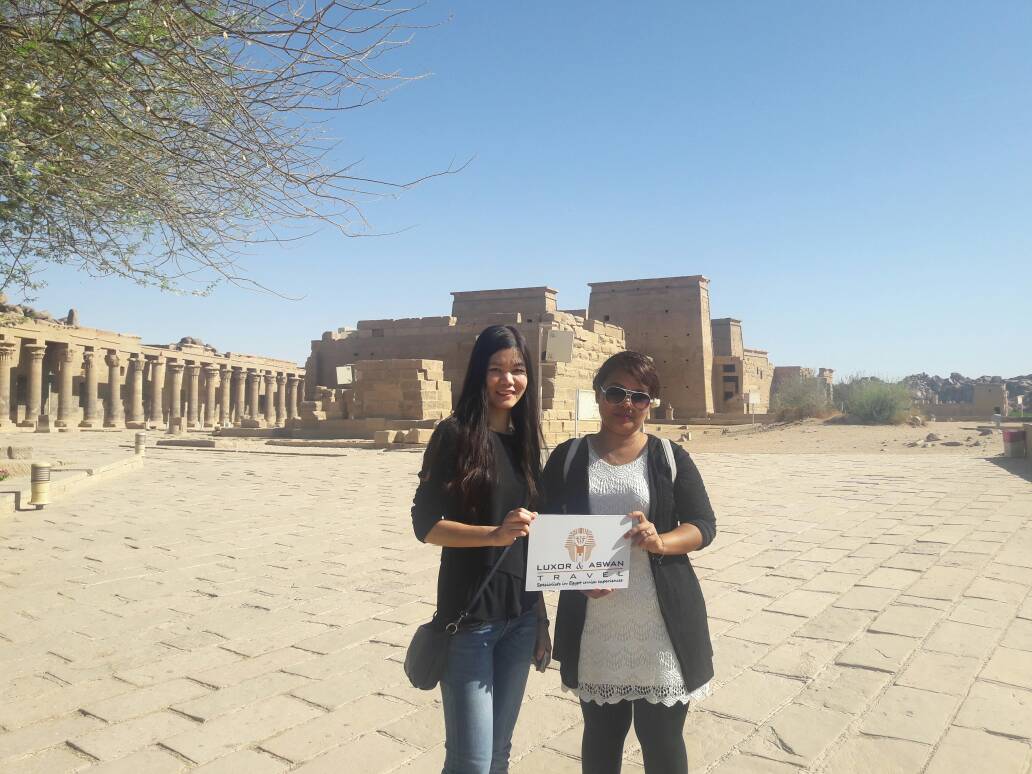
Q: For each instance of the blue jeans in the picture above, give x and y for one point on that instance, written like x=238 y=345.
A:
x=482 y=690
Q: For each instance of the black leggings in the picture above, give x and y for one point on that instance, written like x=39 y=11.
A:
x=660 y=730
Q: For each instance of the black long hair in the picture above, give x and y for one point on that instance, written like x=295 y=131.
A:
x=475 y=463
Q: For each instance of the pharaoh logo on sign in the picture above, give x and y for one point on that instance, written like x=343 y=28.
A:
x=579 y=544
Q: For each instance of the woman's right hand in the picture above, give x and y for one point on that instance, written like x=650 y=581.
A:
x=516 y=524
x=597 y=593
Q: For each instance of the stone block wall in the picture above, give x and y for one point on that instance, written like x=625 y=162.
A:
x=669 y=320
x=400 y=389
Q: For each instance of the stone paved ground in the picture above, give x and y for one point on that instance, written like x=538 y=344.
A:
x=239 y=612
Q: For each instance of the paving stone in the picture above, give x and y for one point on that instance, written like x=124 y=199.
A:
x=836 y=624
x=766 y=628
x=542 y=718
x=797 y=734
x=56 y=760
x=890 y=578
x=1013 y=667
x=909 y=714
x=802 y=603
x=143 y=701
x=1000 y=591
x=250 y=761
x=942 y=583
x=983 y=612
x=939 y=672
x=32 y=709
x=884 y=652
x=799 y=658
x=872 y=754
x=230 y=732
x=370 y=754
x=963 y=751
x=150 y=761
x=1019 y=635
x=546 y=760
x=707 y=737
x=844 y=689
x=740 y=763
x=319 y=734
x=960 y=639
x=259 y=579
x=752 y=696
x=23 y=741
x=246 y=669
x=423 y=729
x=736 y=606
x=216 y=703
x=906 y=620
x=866 y=598
x=731 y=656
x=120 y=739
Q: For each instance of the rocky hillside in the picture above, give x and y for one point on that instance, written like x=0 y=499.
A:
x=957 y=388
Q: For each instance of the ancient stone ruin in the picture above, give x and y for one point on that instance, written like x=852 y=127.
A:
x=59 y=375
x=705 y=368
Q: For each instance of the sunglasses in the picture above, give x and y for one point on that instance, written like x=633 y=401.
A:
x=616 y=395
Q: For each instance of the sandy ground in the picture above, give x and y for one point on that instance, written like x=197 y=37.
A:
x=818 y=437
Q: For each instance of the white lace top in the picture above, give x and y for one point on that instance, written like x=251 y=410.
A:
x=626 y=653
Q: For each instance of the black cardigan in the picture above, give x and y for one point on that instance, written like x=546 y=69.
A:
x=683 y=501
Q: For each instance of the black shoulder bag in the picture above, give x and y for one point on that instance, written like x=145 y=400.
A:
x=427 y=654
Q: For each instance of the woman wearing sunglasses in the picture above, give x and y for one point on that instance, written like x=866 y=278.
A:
x=640 y=653
x=480 y=478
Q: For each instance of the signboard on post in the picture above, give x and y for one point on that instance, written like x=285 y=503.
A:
x=345 y=376
x=568 y=551
x=558 y=346
x=586 y=407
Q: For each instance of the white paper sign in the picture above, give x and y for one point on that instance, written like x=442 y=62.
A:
x=578 y=552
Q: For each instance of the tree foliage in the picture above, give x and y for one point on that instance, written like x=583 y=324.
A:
x=801 y=397
x=151 y=139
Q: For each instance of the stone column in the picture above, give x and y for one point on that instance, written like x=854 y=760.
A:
x=137 y=417
x=239 y=396
x=225 y=395
x=211 y=376
x=34 y=400
x=7 y=353
x=253 y=386
x=281 y=399
x=157 y=404
x=89 y=365
x=193 y=390
x=270 y=398
x=68 y=357
x=291 y=396
x=176 y=398
x=114 y=407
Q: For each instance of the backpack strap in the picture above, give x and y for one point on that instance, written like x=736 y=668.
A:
x=668 y=451
x=570 y=454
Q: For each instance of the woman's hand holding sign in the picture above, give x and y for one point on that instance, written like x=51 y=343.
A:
x=644 y=534
x=516 y=524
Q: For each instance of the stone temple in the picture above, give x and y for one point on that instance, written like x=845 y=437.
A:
x=705 y=368
x=60 y=375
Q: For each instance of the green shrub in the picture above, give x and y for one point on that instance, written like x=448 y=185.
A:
x=871 y=401
x=801 y=397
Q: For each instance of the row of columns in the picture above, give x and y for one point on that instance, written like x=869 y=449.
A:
x=224 y=389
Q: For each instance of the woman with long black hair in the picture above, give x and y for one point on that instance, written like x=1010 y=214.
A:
x=478 y=487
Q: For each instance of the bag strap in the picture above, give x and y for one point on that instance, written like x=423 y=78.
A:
x=570 y=454
x=668 y=450
x=454 y=625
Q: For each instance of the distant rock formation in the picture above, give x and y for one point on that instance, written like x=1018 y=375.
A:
x=958 y=388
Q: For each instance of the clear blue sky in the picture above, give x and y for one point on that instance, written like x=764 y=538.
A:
x=854 y=178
